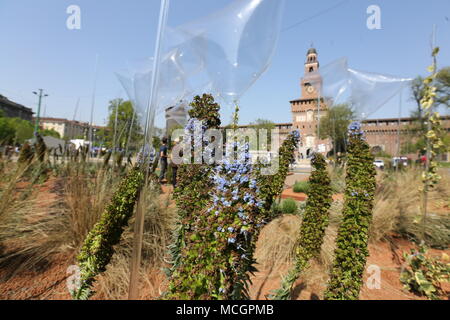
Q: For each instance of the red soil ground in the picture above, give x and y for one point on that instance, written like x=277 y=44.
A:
x=299 y=196
x=50 y=283
x=387 y=256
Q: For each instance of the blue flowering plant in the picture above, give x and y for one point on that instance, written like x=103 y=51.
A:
x=223 y=207
x=212 y=265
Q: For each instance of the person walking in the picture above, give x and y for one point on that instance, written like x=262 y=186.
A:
x=173 y=165
x=163 y=159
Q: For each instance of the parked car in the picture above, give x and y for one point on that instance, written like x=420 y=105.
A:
x=400 y=161
x=379 y=164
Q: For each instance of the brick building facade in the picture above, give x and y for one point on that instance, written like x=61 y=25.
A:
x=308 y=109
x=391 y=134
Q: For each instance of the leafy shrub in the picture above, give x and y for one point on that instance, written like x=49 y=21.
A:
x=40 y=148
x=276 y=209
x=314 y=224
x=424 y=274
x=222 y=236
x=271 y=186
x=353 y=234
x=98 y=248
x=191 y=195
x=26 y=154
x=225 y=229
x=289 y=206
x=301 y=187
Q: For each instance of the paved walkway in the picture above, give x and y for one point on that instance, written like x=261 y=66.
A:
x=291 y=179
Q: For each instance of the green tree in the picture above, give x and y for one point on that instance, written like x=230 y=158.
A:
x=7 y=131
x=443 y=87
x=125 y=112
x=51 y=133
x=334 y=126
x=23 y=130
x=418 y=129
x=263 y=124
x=14 y=130
x=417 y=91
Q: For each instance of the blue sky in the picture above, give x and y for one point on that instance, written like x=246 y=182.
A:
x=38 y=51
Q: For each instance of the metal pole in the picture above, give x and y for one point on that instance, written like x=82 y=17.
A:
x=92 y=105
x=398 y=128
x=115 y=129
x=72 y=131
x=318 y=122
x=129 y=134
x=334 y=142
x=150 y=116
x=36 y=126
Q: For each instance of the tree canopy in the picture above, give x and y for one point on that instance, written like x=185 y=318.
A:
x=443 y=86
x=14 y=130
x=125 y=122
x=334 y=126
x=51 y=133
x=418 y=130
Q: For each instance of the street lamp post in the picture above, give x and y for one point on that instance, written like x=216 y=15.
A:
x=41 y=95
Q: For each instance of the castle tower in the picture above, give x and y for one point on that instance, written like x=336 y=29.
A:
x=306 y=110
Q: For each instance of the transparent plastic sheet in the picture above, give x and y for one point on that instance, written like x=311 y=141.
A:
x=229 y=49
x=350 y=95
x=370 y=91
x=190 y=59
x=133 y=81
x=332 y=82
x=136 y=81
x=172 y=86
x=363 y=92
x=178 y=114
x=204 y=56
x=152 y=105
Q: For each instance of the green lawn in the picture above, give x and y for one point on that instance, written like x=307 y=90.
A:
x=444 y=164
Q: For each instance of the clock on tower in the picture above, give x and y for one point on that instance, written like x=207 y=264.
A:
x=312 y=79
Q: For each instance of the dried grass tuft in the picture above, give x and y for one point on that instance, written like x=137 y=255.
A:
x=160 y=221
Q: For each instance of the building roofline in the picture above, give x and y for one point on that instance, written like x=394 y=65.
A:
x=306 y=99
x=62 y=120
x=5 y=100
x=364 y=121
x=401 y=119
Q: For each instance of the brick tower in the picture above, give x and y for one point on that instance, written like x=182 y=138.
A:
x=305 y=111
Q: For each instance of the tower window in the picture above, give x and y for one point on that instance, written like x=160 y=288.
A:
x=311 y=69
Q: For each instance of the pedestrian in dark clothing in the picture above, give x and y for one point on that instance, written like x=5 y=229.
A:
x=163 y=159
x=174 y=165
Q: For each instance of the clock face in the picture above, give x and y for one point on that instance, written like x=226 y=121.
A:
x=310 y=89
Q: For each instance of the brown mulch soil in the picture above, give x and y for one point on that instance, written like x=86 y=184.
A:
x=50 y=283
